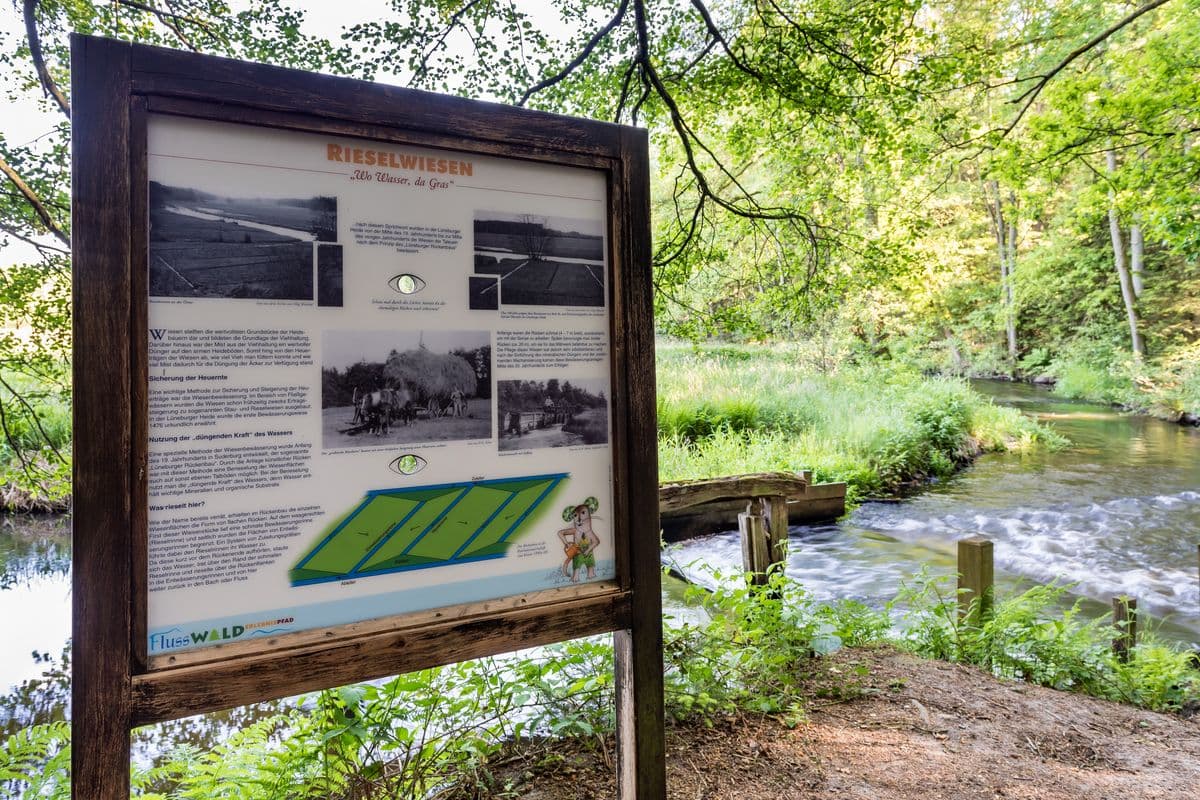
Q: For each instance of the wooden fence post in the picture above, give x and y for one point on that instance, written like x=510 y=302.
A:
x=1125 y=621
x=775 y=509
x=975 y=575
x=756 y=543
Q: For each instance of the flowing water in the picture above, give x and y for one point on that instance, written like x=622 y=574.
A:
x=1118 y=512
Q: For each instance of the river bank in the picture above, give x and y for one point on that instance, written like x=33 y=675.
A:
x=888 y=726
x=729 y=409
x=880 y=428
x=1133 y=399
x=1115 y=513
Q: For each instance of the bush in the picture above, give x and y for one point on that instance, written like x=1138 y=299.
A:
x=1030 y=638
x=35 y=444
x=752 y=649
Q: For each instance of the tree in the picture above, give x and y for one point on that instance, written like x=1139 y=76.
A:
x=819 y=161
x=534 y=236
x=35 y=203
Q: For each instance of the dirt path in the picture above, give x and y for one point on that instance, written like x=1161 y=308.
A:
x=918 y=730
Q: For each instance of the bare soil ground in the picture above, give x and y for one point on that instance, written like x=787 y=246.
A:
x=913 y=730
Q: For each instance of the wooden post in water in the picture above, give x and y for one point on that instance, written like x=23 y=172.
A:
x=756 y=543
x=975 y=574
x=1125 y=621
x=775 y=508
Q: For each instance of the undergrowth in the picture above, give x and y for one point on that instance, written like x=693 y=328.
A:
x=1166 y=387
x=1029 y=638
x=35 y=442
x=439 y=732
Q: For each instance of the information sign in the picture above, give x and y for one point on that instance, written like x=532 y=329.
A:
x=364 y=384
x=379 y=381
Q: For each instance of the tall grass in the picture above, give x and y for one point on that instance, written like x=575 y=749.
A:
x=733 y=409
x=35 y=442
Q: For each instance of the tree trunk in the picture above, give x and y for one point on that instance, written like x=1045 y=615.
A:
x=1118 y=245
x=1137 y=249
x=870 y=208
x=1010 y=308
x=1005 y=233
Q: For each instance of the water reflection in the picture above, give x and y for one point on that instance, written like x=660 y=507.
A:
x=35 y=594
x=33 y=548
x=45 y=698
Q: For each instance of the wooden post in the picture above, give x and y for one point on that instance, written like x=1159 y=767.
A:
x=638 y=650
x=775 y=509
x=756 y=543
x=105 y=469
x=1125 y=621
x=975 y=574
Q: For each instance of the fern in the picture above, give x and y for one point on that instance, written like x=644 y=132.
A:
x=36 y=762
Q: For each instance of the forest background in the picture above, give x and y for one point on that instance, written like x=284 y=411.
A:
x=961 y=187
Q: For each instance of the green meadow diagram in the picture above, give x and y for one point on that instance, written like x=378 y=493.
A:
x=397 y=530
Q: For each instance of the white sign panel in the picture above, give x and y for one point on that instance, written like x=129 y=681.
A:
x=379 y=380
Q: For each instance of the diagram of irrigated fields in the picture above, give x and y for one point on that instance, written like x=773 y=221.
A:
x=396 y=530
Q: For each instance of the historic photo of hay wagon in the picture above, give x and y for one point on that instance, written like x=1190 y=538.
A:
x=552 y=413
x=387 y=387
x=538 y=260
x=204 y=244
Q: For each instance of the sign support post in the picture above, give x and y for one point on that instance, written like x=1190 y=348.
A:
x=104 y=468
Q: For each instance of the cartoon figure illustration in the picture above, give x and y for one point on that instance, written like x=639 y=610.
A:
x=579 y=541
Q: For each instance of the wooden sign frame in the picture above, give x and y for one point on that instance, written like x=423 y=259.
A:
x=116 y=686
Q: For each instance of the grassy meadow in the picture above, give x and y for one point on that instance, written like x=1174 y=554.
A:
x=727 y=409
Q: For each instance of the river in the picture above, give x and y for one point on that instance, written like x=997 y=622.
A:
x=1117 y=512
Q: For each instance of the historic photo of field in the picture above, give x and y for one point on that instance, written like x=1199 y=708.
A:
x=540 y=260
x=552 y=413
x=204 y=244
x=390 y=387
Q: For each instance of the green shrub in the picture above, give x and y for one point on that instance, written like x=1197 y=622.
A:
x=35 y=443
x=752 y=648
x=751 y=652
x=1030 y=638
x=1077 y=380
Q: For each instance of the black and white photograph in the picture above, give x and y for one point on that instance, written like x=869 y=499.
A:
x=541 y=260
x=205 y=244
x=552 y=413
x=387 y=387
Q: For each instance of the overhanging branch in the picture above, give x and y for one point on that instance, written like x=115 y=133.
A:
x=39 y=61
x=582 y=56
x=34 y=201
